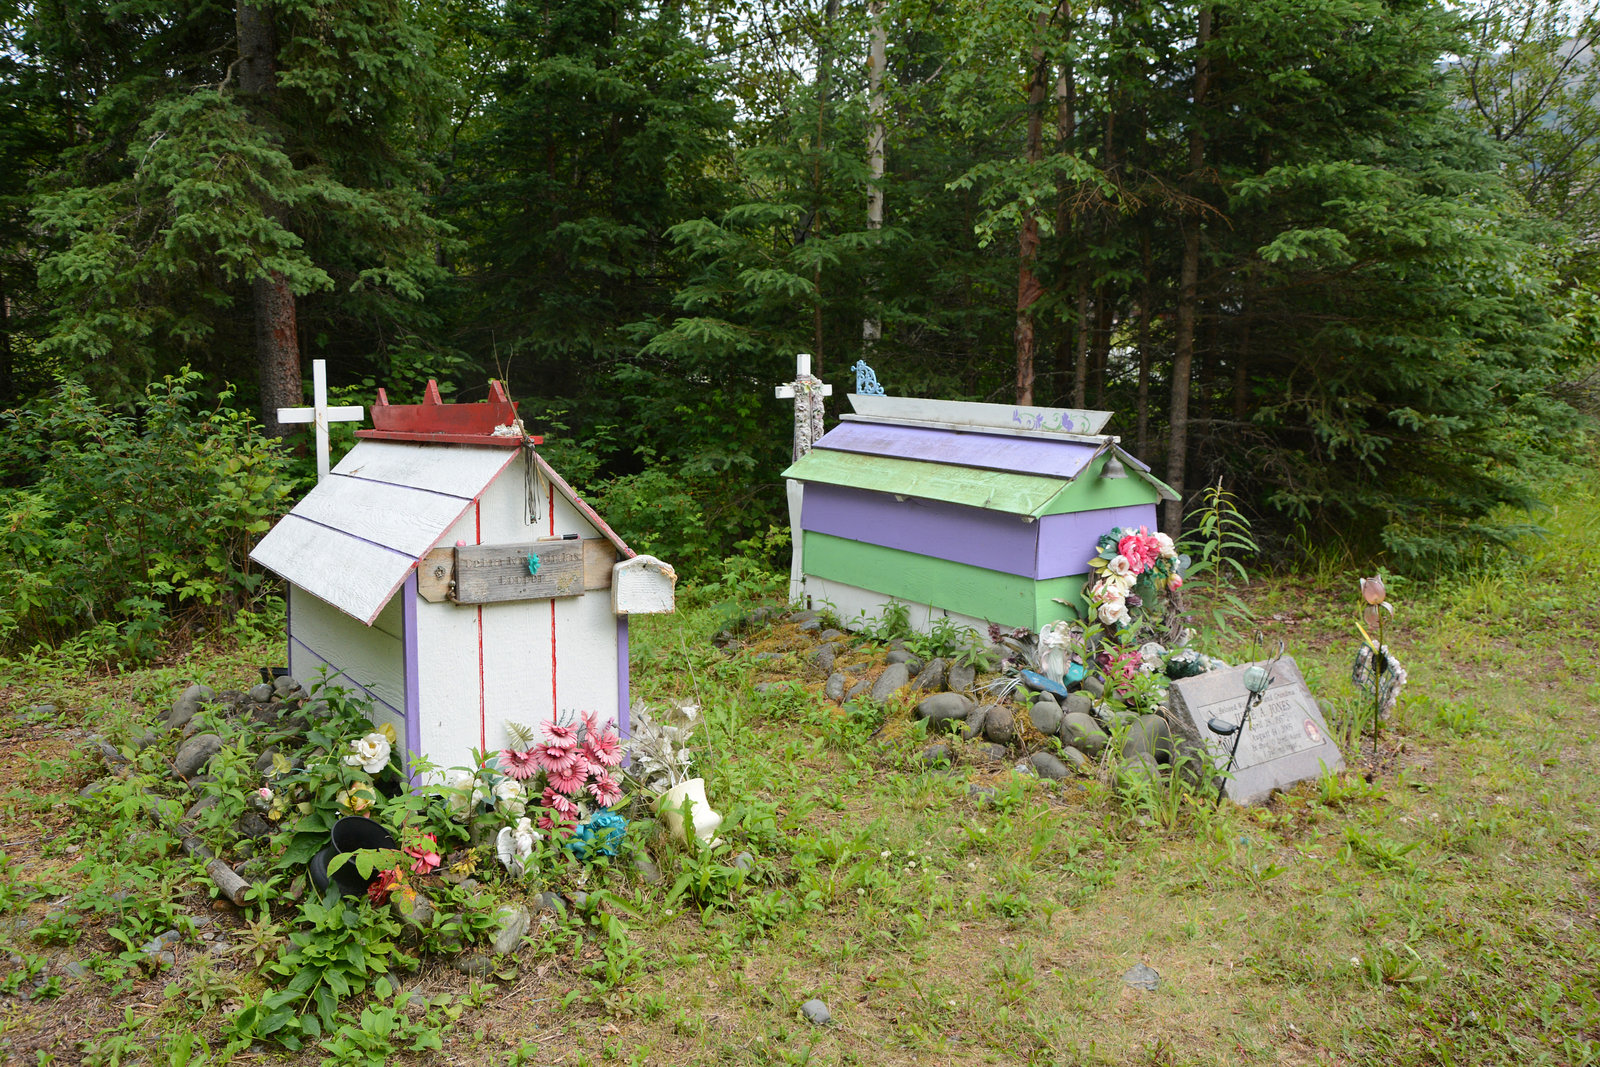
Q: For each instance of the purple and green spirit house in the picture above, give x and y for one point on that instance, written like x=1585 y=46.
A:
x=986 y=513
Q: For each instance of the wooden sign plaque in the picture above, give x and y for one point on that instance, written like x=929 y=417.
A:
x=536 y=570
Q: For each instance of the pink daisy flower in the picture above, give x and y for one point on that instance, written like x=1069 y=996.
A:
x=605 y=790
x=562 y=827
x=570 y=780
x=603 y=749
x=556 y=760
x=560 y=736
x=559 y=803
x=519 y=765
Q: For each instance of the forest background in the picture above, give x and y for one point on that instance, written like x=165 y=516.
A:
x=1338 y=255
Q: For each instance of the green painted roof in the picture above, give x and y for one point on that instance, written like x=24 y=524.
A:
x=1015 y=494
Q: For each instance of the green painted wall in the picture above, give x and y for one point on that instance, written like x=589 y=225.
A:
x=1090 y=492
x=1007 y=599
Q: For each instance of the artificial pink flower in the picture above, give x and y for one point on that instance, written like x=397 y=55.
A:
x=562 y=827
x=559 y=803
x=591 y=723
x=570 y=780
x=426 y=860
x=557 y=760
x=520 y=765
x=603 y=749
x=1175 y=582
x=605 y=790
x=560 y=736
x=1141 y=550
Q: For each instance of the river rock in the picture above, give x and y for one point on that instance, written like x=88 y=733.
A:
x=645 y=869
x=474 y=965
x=807 y=626
x=931 y=679
x=992 y=751
x=1049 y=766
x=253 y=825
x=1000 y=725
x=511 y=924
x=961 y=677
x=284 y=686
x=1138 y=772
x=194 y=754
x=1045 y=715
x=834 y=690
x=1142 y=976
x=942 y=708
x=1145 y=734
x=186 y=705
x=934 y=755
x=1095 y=687
x=894 y=678
x=1079 y=703
x=856 y=690
x=912 y=661
x=975 y=719
x=816 y=1012
x=823 y=656
x=1083 y=733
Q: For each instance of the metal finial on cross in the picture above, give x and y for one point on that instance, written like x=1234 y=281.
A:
x=320 y=414
x=807 y=393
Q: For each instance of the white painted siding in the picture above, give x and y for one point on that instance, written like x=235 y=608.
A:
x=367 y=660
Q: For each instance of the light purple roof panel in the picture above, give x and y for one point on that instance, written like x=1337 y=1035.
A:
x=1018 y=455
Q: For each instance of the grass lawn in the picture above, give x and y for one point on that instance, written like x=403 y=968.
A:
x=1437 y=903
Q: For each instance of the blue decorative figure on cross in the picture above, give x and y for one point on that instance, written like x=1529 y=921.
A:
x=533 y=565
x=866 y=380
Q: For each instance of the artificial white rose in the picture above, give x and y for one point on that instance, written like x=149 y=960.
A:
x=1120 y=566
x=510 y=797
x=1114 y=612
x=370 y=753
x=1168 y=549
x=459 y=780
x=1117 y=586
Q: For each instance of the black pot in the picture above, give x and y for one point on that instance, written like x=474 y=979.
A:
x=348 y=835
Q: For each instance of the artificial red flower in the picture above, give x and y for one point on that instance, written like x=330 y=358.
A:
x=378 y=889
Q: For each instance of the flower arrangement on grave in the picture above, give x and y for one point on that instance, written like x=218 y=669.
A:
x=1376 y=669
x=1126 y=562
x=568 y=772
x=662 y=764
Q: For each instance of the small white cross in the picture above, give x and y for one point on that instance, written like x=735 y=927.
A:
x=807 y=392
x=320 y=414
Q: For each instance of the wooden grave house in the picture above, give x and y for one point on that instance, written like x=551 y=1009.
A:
x=986 y=513
x=446 y=573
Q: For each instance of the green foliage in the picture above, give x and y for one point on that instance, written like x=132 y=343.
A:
x=123 y=520
x=344 y=948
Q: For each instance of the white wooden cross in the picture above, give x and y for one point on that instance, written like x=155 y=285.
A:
x=807 y=393
x=320 y=414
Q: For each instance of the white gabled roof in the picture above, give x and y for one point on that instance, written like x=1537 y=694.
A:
x=355 y=537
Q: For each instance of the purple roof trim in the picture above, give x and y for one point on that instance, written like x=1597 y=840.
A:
x=1017 y=455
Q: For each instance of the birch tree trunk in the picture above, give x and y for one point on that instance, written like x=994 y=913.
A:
x=871 y=327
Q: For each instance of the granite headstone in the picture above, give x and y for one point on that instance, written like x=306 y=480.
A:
x=1286 y=740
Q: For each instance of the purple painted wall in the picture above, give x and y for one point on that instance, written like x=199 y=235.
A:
x=983 y=538
x=622 y=677
x=1067 y=542
x=1052 y=547
x=413 y=675
x=1021 y=455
